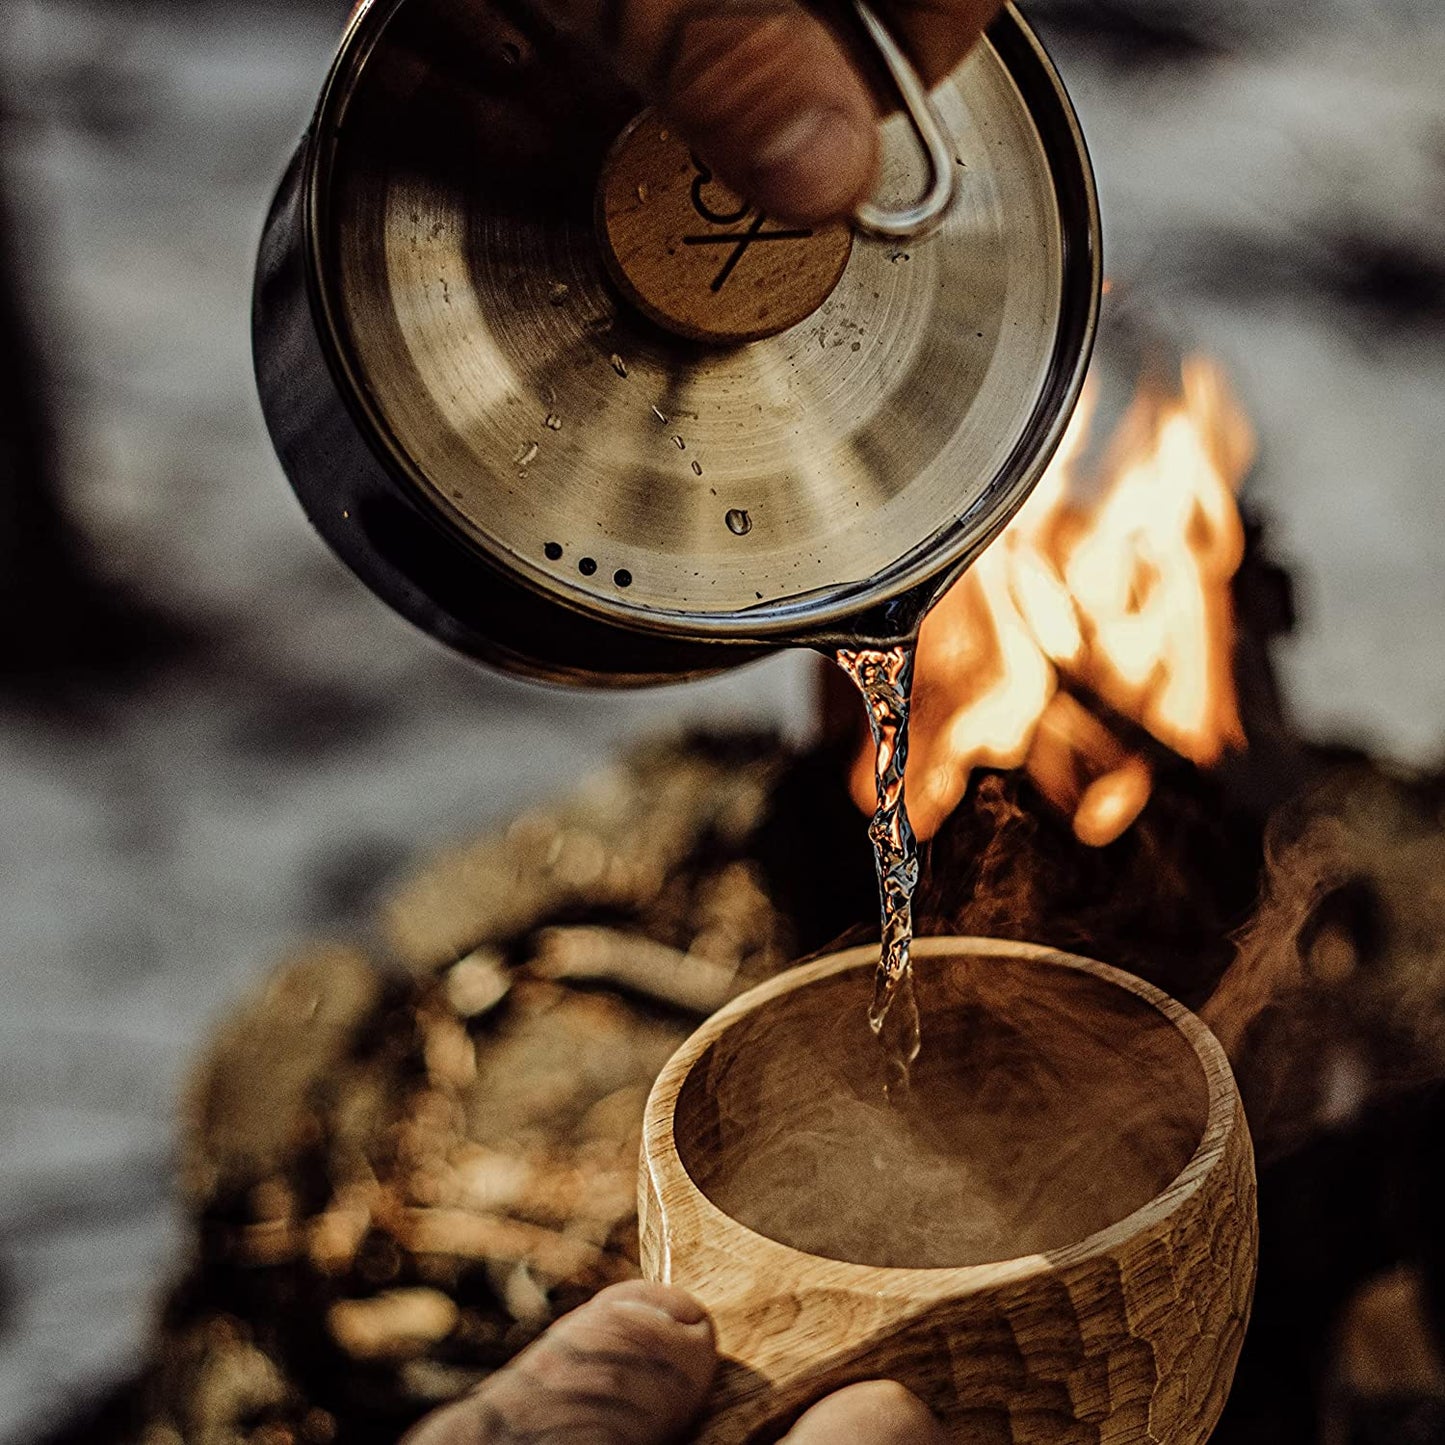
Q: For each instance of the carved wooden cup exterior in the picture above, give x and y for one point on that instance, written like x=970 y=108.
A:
x=1130 y=1332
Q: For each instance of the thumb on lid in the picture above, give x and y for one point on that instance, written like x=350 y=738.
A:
x=765 y=93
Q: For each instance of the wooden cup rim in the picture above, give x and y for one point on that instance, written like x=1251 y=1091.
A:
x=663 y=1166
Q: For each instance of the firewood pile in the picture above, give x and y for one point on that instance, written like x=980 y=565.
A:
x=402 y=1173
x=405 y=1156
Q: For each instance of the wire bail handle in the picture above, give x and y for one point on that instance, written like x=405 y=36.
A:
x=923 y=215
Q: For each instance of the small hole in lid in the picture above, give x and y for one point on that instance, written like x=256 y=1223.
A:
x=553 y=551
x=587 y=566
x=622 y=577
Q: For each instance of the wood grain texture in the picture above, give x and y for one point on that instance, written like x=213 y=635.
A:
x=1130 y=1334
x=698 y=259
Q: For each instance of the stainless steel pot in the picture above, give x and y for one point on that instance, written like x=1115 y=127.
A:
x=477 y=346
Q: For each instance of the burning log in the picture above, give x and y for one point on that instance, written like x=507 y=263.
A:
x=630 y=847
x=1085 y=770
x=697 y=985
x=554 y=1256
x=397 y=1325
x=477 y=984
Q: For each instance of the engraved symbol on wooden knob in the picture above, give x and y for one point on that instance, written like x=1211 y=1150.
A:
x=697 y=258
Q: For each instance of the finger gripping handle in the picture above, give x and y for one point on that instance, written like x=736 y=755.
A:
x=927 y=212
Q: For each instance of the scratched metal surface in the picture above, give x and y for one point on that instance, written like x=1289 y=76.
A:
x=1273 y=179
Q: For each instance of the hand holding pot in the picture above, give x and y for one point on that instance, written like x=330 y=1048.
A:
x=767 y=92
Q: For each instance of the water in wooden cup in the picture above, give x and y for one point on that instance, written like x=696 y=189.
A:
x=1047 y=1105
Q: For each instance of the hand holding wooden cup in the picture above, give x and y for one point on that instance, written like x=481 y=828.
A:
x=1052 y=1238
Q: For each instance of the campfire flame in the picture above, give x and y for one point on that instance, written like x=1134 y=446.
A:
x=1103 y=610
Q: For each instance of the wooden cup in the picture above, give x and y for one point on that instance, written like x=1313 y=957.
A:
x=1093 y=1276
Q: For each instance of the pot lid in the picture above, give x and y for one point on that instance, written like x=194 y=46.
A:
x=615 y=379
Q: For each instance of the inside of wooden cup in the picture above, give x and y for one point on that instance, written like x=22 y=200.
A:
x=1047 y=1104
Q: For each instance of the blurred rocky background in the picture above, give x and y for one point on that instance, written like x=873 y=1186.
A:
x=214 y=742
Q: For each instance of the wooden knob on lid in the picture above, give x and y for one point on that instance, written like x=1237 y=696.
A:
x=698 y=259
